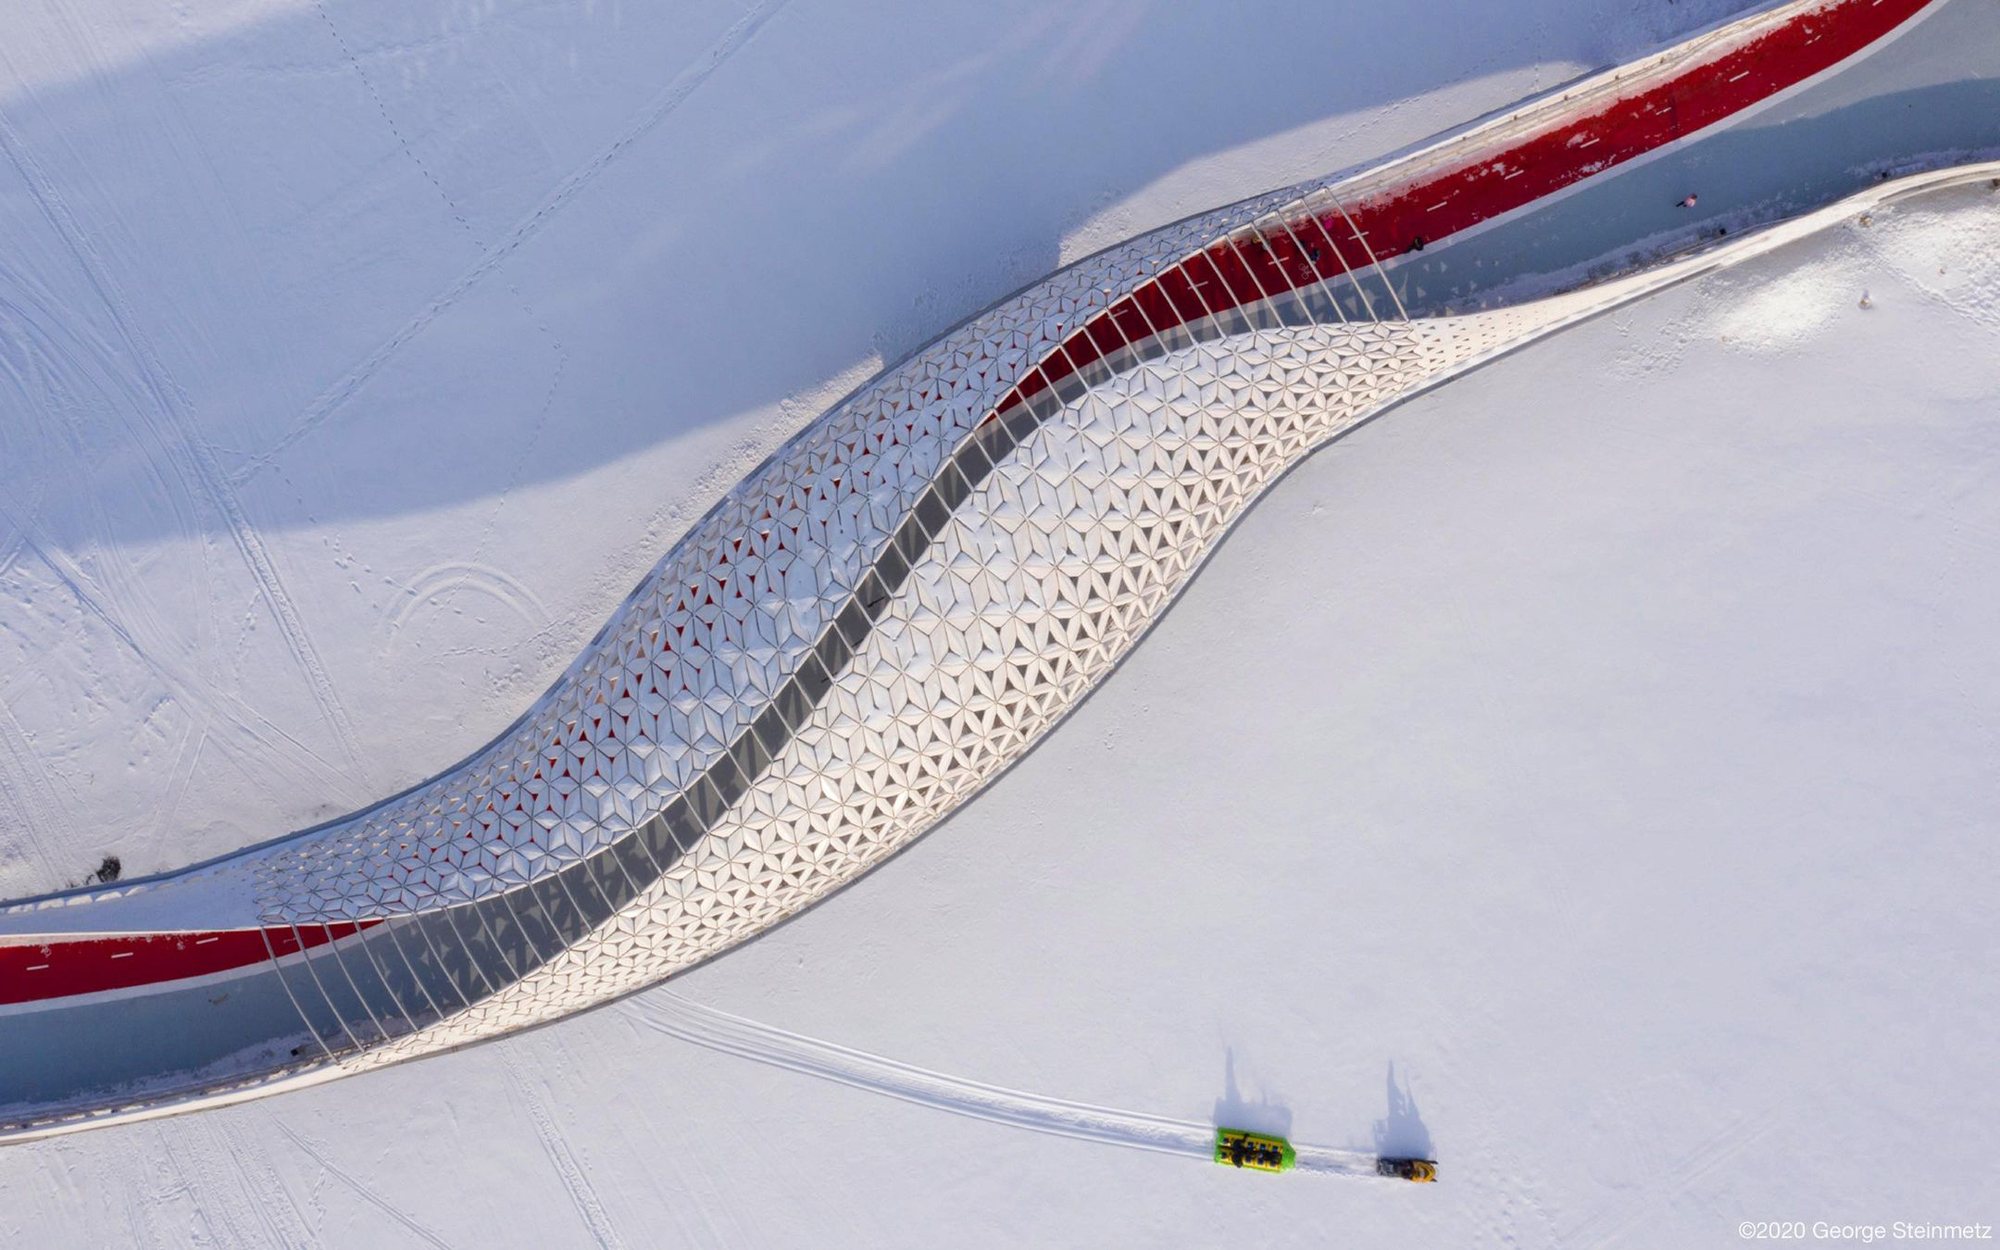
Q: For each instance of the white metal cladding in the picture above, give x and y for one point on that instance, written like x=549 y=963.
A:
x=1084 y=523
x=739 y=601
x=872 y=625
x=1029 y=594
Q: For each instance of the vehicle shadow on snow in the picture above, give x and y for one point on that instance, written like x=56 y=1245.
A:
x=1232 y=1110
x=1402 y=1134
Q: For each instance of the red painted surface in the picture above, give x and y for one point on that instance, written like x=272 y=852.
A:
x=1479 y=188
x=61 y=967
x=1308 y=250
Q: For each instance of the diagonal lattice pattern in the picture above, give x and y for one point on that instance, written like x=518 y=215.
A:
x=898 y=603
x=1025 y=596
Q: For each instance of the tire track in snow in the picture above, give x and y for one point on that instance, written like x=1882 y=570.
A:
x=555 y=1144
x=144 y=1203
x=676 y=92
x=184 y=1185
x=366 y=1194
x=207 y=705
x=68 y=375
x=678 y=1016
x=196 y=459
x=528 y=446
x=187 y=756
x=381 y=107
x=21 y=768
x=683 y=1194
x=258 y=1217
x=458 y=215
x=264 y=1191
x=11 y=548
x=436 y=587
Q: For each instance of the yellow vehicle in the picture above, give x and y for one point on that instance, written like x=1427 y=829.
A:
x=1419 y=1170
x=1239 y=1148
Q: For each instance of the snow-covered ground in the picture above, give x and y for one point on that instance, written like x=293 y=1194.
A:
x=359 y=361
x=1599 y=790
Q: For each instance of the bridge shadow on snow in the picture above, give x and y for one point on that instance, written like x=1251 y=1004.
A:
x=184 y=273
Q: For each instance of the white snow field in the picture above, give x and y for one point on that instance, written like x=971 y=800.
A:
x=1583 y=773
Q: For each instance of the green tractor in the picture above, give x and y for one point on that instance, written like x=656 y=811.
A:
x=1236 y=1148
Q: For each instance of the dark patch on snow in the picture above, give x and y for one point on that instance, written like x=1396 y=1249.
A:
x=1401 y=1134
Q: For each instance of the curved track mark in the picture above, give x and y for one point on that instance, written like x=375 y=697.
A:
x=681 y=1017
